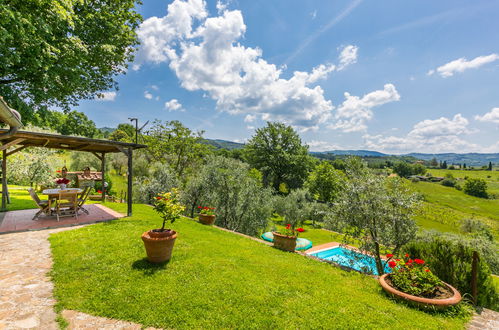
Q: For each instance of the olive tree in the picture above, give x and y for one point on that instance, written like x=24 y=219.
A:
x=377 y=211
x=35 y=166
x=325 y=182
x=228 y=185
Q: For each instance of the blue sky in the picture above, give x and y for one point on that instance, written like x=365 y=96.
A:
x=392 y=76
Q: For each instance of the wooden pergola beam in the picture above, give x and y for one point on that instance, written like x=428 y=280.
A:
x=16 y=150
x=11 y=143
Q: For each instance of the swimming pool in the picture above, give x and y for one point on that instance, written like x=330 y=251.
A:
x=350 y=258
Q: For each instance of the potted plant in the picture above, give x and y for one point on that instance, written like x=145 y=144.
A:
x=414 y=282
x=206 y=215
x=286 y=239
x=159 y=242
x=62 y=182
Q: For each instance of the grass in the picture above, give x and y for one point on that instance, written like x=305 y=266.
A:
x=217 y=279
x=492 y=177
x=20 y=199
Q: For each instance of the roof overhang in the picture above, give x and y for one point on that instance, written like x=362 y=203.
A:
x=8 y=115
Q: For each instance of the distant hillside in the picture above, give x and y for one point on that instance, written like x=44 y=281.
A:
x=470 y=159
x=223 y=144
x=360 y=153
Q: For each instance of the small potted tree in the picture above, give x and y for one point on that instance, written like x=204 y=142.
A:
x=159 y=242
x=206 y=215
x=286 y=239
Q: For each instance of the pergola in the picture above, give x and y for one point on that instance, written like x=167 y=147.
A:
x=23 y=139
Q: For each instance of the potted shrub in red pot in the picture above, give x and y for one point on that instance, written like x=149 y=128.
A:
x=159 y=242
x=286 y=239
x=414 y=282
x=206 y=215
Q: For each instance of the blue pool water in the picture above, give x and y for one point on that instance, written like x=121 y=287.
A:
x=351 y=259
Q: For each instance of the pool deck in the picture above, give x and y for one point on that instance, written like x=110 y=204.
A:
x=322 y=247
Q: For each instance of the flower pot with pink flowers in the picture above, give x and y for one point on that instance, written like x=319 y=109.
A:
x=413 y=281
x=285 y=239
x=159 y=242
x=206 y=215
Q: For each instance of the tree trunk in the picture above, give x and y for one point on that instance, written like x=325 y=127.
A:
x=379 y=264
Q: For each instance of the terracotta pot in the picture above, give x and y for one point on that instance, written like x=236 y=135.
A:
x=283 y=242
x=159 y=245
x=206 y=219
x=423 y=302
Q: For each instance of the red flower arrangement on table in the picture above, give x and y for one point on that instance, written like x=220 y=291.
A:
x=206 y=210
x=62 y=181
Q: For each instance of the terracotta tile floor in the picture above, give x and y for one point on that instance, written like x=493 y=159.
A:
x=14 y=221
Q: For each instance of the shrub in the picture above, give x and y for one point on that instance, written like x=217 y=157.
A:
x=295 y=207
x=228 y=185
x=448 y=182
x=160 y=178
x=450 y=257
x=476 y=187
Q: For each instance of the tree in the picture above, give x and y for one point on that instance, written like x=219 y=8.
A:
x=325 y=182
x=34 y=167
x=176 y=144
x=277 y=151
x=464 y=165
x=77 y=123
x=433 y=162
x=403 y=169
x=444 y=165
x=55 y=52
x=490 y=166
x=476 y=187
x=377 y=211
x=123 y=133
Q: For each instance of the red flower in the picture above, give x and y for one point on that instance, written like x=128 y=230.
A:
x=158 y=198
x=300 y=230
x=99 y=191
x=199 y=207
x=419 y=261
x=288 y=226
x=407 y=255
x=409 y=261
x=427 y=270
x=58 y=171
x=389 y=255
x=397 y=259
x=392 y=264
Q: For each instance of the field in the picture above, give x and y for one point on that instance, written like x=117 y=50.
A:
x=492 y=177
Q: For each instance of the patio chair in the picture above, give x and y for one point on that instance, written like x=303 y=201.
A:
x=43 y=205
x=83 y=198
x=67 y=204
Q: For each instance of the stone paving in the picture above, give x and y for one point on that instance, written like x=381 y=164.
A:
x=79 y=321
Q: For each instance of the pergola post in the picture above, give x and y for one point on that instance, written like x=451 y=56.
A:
x=103 y=172
x=4 y=180
x=130 y=183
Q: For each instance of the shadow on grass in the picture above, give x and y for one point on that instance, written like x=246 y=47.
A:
x=149 y=268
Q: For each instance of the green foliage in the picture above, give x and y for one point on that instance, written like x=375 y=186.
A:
x=242 y=204
x=404 y=169
x=450 y=258
x=159 y=178
x=168 y=207
x=295 y=207
x=58 y=52
x=476 y=187
x=277 y=151
x=123 y=133
x=77 y=123
x=325 y=182
x=32 y=167
x=174 y=144
x=413 y=277
x=81 y=160
x=448 y=182
x=376 y=210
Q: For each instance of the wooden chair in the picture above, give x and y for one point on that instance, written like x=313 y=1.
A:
x=43 y=205
x=83 y=198
x=67 y=204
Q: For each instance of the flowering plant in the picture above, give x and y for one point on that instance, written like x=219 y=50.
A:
x=62 y=181
x=412 y=276
x=168 y=206
x=289 y=230
x=206 y=210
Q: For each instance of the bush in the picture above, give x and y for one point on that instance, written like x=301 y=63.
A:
x=476 y=187
x=448 y=182
x=229 y=185
x=159 y=179
x=295 y=207
x=450 y=257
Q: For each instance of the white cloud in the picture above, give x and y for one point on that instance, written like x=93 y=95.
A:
x=314 y=14
x=490 y=117
x=148 y=95
x=249 y=118
x=210 y=58
x=106 y=96
x=462 y=64
x=155 y=87
x=428 y=136
x=316 y=145
x=354 y=112
x=348 y=56
x=173 y=105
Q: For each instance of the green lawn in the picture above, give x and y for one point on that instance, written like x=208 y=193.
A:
x=20 y=199
x=217 y=280
x=492 y=177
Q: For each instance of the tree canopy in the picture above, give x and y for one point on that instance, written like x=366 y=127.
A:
x=56 y=52
x=277 y=151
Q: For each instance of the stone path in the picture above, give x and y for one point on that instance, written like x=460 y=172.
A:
x=79 y=320
x=486 y=320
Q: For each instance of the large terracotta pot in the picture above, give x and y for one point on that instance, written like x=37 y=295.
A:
x=283 y=242
x=424 y=302
x=206 y=219
x=159 y=245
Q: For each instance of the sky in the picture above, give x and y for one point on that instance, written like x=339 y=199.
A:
x=391 y=76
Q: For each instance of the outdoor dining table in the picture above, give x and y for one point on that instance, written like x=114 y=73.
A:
x=54 y=193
